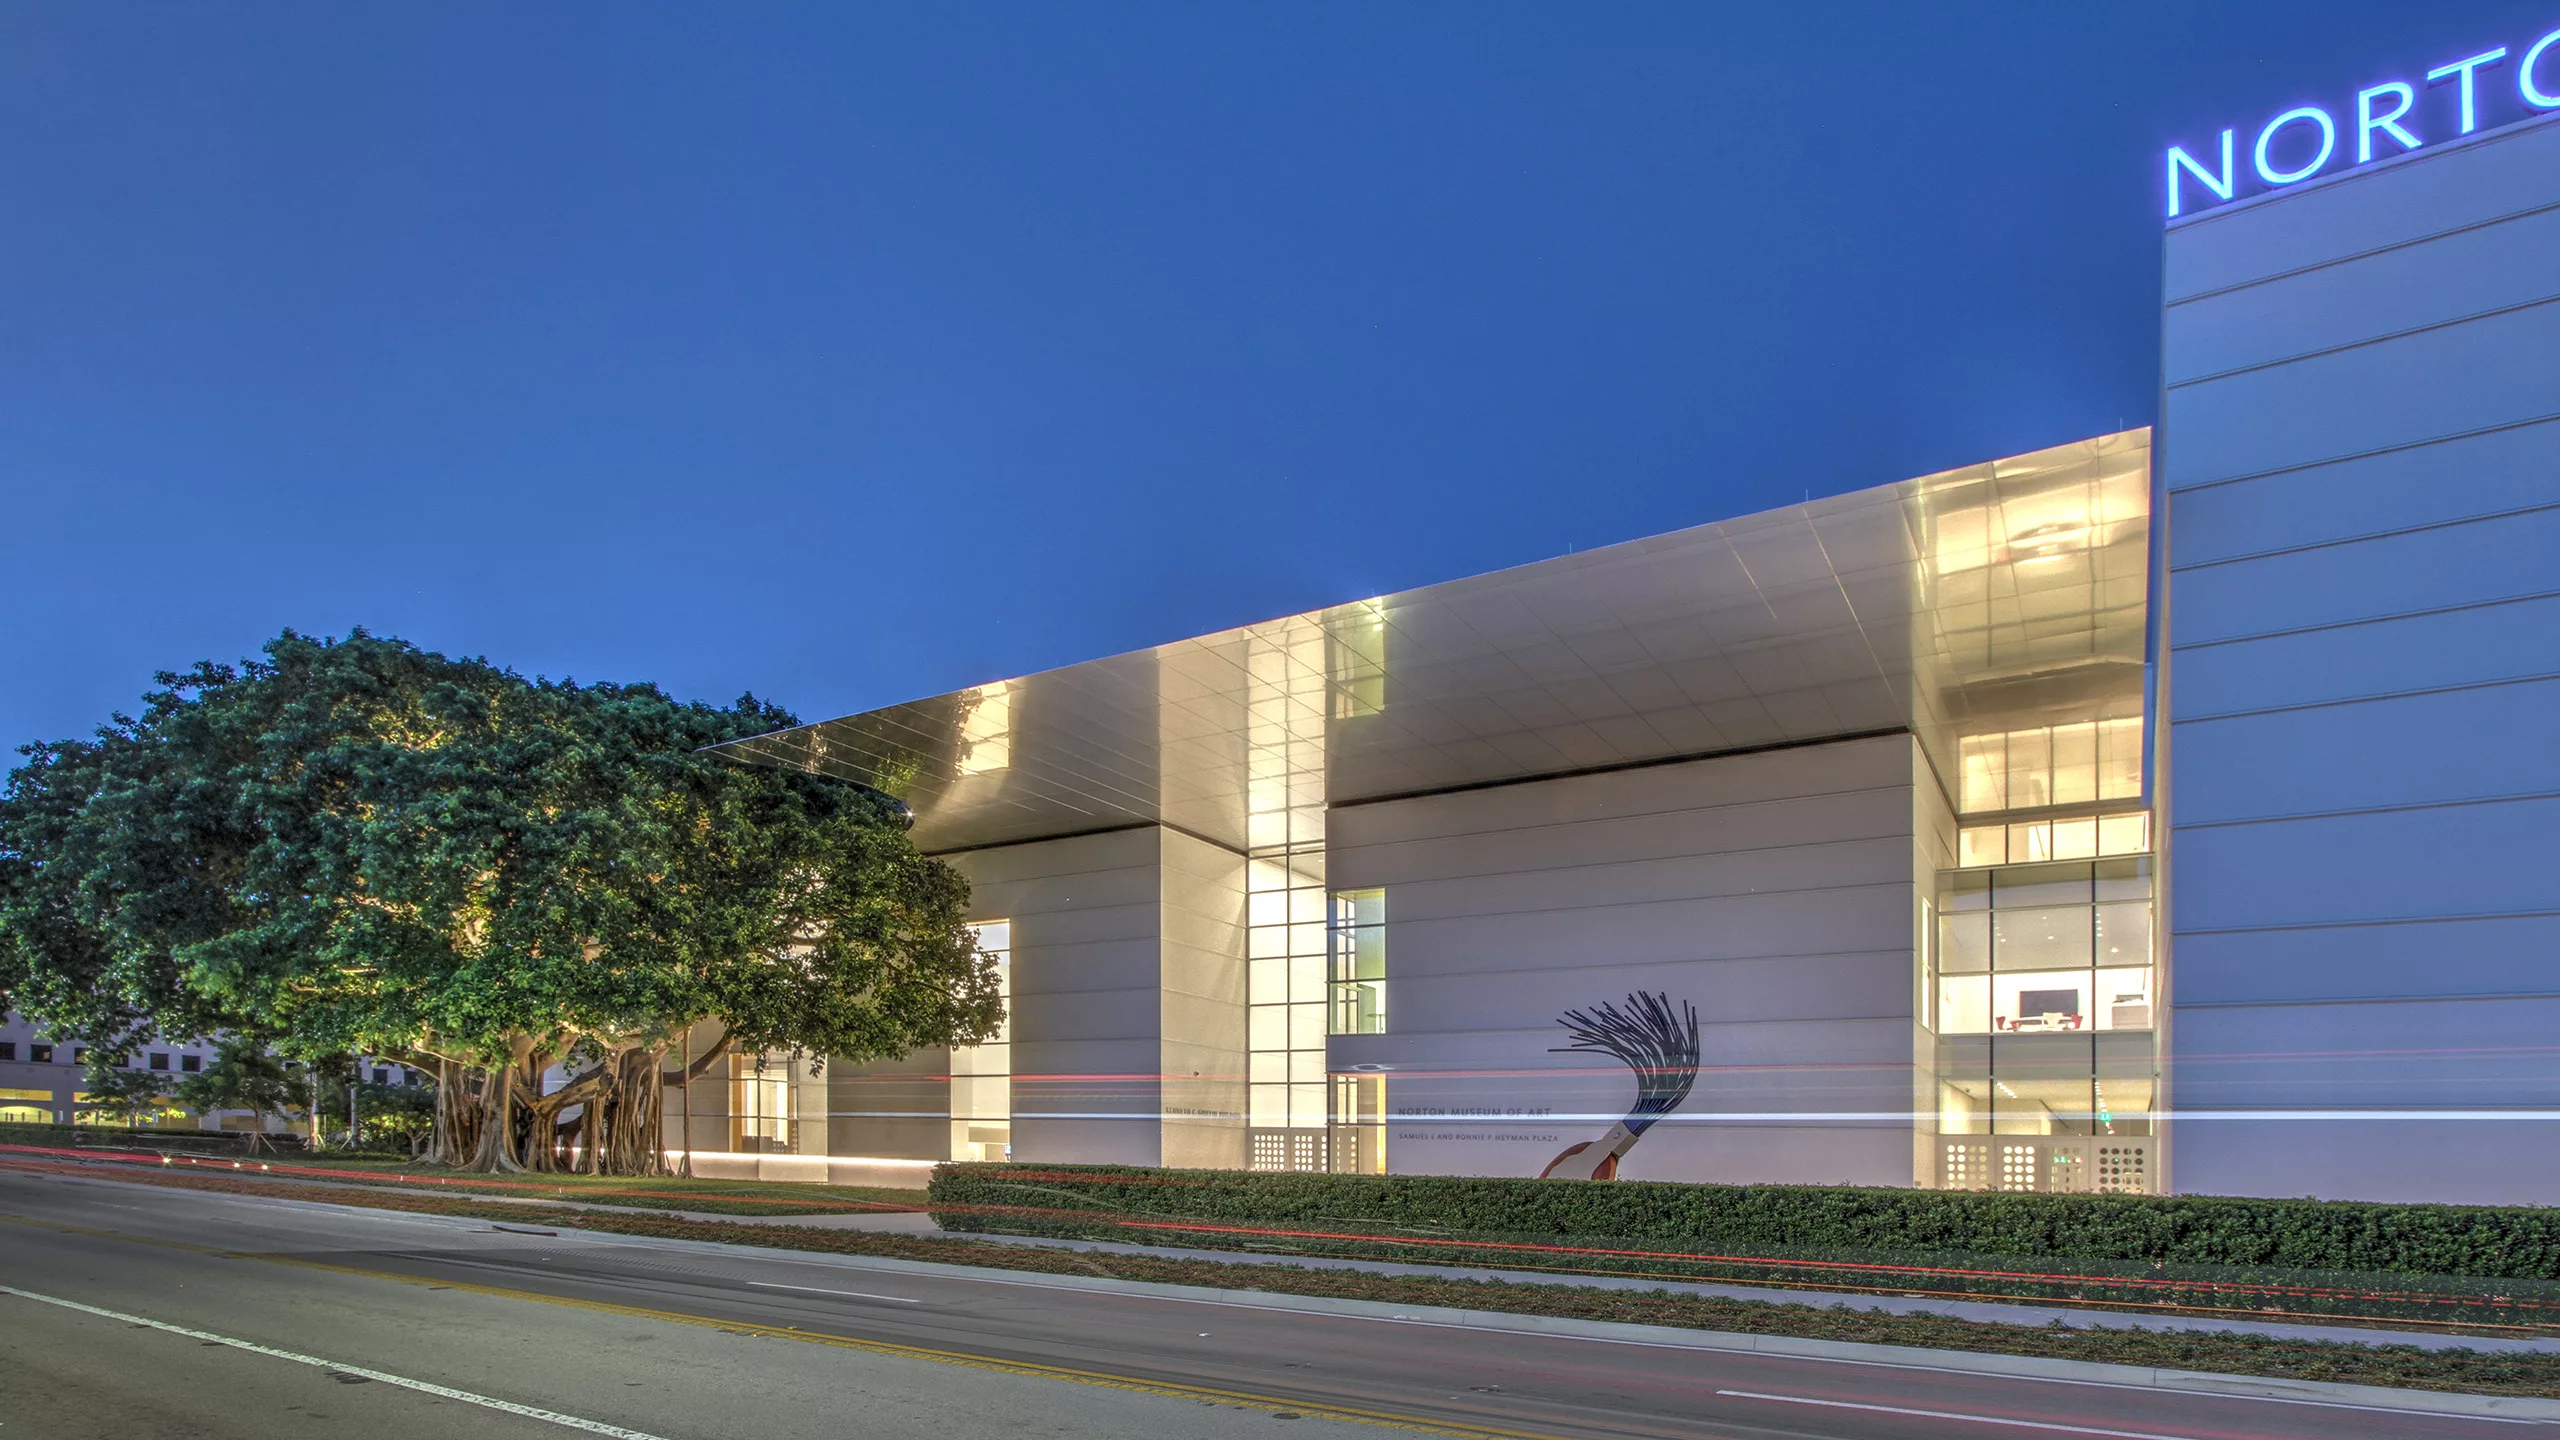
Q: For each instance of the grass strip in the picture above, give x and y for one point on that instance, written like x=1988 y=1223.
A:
x=2222 y=1352
x=719 y=1197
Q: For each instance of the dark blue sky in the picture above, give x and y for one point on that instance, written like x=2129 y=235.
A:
x=854 y=355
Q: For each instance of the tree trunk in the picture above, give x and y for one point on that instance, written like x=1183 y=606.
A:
x=635 y=1132
x=496 y=1153
x=684 y=1099
x=542 y=1139
x=456 y=1136
x=595 y=1127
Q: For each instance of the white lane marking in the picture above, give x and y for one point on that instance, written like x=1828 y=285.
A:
x=1955 y=1415
x=815 y=1290
x=596 y=1427
x=725 y=1249
x=1780 y=1355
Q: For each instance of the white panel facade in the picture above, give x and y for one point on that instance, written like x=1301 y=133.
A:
x=1087 y=937
x=2362 y=463
x=1775 y=891
x=1202 y=1044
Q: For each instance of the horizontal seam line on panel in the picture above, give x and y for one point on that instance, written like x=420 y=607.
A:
x=2542 y=678
x=2308 y=355
x=2330 y=264
x=2365 y=539
x=2364 y=1000
x=1045 y=839
x=1629 y=817
x=2176 y=649
x=1788 y=958
x=2402 y=808
x=1906 y=882
x=2352 y=455
x=2468 y=917
x=1634 y=816
x=1615 y=767
x=1581 y=866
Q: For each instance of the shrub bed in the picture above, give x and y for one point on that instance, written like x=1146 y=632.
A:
x=2484 y=1242
x=2472 y=1371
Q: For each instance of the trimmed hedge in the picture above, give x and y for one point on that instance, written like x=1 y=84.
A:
x=2486 y=1242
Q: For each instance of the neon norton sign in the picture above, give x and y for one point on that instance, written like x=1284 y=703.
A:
x=2301 y=142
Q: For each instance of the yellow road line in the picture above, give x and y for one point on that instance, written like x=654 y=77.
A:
x=1168 y=1389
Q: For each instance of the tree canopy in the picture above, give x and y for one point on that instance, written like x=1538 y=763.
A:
x=361 y=846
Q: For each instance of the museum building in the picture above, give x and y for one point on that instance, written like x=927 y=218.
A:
x=2163 y=811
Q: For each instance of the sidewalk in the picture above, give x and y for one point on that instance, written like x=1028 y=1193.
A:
x=1997 y=1312
x=2512 y=1409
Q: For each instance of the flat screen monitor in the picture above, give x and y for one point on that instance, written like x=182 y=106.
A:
x=2048 y=1002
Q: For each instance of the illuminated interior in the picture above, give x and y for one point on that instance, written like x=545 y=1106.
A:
x=2040 y=973
x=759 y=1104
x=982 y=1075
x=1286 y=944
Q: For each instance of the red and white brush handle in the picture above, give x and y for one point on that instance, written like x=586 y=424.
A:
x=1592 y=1159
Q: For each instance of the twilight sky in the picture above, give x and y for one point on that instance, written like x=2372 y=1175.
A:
x=853 y=354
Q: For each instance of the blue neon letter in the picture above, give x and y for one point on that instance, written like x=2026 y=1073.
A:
x=2328 y=142
x=2367 y=122
x=2533 y=95
x=2220 y=184
x=2463 y=68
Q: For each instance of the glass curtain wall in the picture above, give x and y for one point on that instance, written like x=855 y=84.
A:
x=1359 y=1007
x=1314 y=960
x=760 y=1104
x=2039 y=973
x=982 y=1075
x=2043 y=992
x=1286 y=906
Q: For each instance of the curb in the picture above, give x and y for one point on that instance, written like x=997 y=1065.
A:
x=2524 y=1409
x=2022 y=1314
x=1854 y=1352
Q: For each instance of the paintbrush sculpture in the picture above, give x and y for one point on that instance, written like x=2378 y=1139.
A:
x=1661 y=1047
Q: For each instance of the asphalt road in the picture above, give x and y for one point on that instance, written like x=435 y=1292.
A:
x=130 y=1310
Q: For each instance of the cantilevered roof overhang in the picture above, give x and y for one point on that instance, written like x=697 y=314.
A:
x=1991 y=597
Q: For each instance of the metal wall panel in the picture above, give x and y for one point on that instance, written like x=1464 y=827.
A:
x=2403 y=573
x=2466 y=274
x=1774 y=891
x=2501 y=955
x=2471 y=374
x=2368 y=495
x=2371 y=867
x=2465 y=742
x=2402 y=655
x=2420 y=196
x=2363 y=486
x=1087 y=928
x=1201 y=1006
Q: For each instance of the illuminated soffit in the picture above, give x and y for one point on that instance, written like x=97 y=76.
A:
x=1999 y=594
